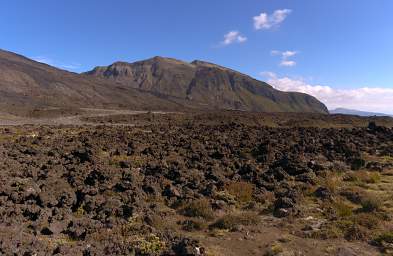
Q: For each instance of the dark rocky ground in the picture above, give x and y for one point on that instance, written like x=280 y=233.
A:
x=198 y=184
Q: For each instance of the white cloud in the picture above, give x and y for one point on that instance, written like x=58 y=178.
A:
x=233 y=37
x=266 y=21
x=49 y=61
x=71 y=66
x=288 y=54
x=372 y=99
x=285 y=62
x=288 y=63
x=268 y=74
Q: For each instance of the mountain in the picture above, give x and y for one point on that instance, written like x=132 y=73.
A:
x=26 y=84
x=354 y=112
x=206 y=84
x=154 y=84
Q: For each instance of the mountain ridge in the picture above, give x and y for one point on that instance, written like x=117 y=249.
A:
x=206 y=83
x=157 y=83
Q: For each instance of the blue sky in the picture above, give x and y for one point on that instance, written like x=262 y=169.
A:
x=339 y=51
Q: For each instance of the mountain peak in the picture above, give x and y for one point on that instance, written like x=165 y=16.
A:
x=163 y=60
x=206 y=84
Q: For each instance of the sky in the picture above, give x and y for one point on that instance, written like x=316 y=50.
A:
x=339 y=51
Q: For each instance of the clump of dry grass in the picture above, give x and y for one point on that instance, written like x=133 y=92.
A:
x=199 y=208
x=242 y=191
x=342 y=209
x=356 y=232
x=332 y=182
x=330 y=231
x=371 y=203
x=363 y=177
x=353 y=194
x=231 y=221
x=368 y=220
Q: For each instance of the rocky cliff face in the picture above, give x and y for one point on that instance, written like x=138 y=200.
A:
x=206 y=84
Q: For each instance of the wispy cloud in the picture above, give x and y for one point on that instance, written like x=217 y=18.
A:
x=285 y=62
x=43 y=59
x=233 y=37
x=51 y=62
x=372 y=99
x=266 y=21
x=71 y=66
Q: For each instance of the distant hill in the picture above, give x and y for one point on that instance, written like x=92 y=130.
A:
x=153 y=84
x=354 y=112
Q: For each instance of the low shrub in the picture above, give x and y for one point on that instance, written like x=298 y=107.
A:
x=231 y=221
x=194 y=225
x=353 y=194
x=356 y=232
x=151 y=245
x=370 y=221
x=370 y=203
x=275 y=249
x=384 y=238
x=199 y=208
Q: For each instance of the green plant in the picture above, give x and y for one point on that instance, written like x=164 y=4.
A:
x=275 y=249
x=226 y=197
x=151 y=245
x=80 y=212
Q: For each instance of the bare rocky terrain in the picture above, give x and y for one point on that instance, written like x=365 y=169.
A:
x=212 y=183
x=165 y=157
